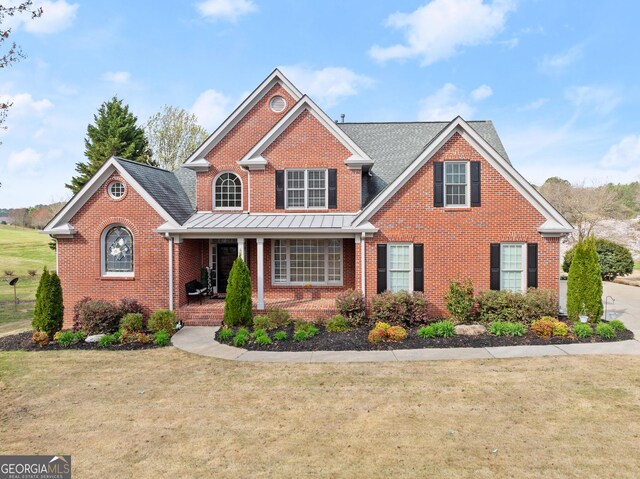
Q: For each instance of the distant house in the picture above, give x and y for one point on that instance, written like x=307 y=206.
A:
x=6 y=220
x=315 y=208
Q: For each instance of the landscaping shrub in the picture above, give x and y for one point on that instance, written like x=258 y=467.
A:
x=108 y=340
x=32 y=272
x=241 y=338
x=546 y=327
x=582 y=330
x=517 y=307
x=301 y=335
x=614 y=259
x=385 y=332
x=77 y=309
x=584 y=286
x=460 y=300
x=280 y=335
x=426 y=332
x=163 y=320
x=258 y=332
x=617 y=325
x=337 y=323
x=238 y=308
x=225 y=334
x=605 y=330
x=263 y=339
x=162 y=338
x=506 y=328
x=48 y=310
x=278 y=318
x=128 y=305
x=98 y=317
x=8 y=272
x=440 y=329
x=132 y=322
x=68 y=338
x=40 y=338
x=351 y=305
x=401 y=308
x=397 y=333
x=261 y=322
x=305 y=326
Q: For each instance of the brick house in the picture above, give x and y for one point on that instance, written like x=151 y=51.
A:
x=315 y=208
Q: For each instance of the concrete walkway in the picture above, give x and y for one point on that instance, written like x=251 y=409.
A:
x=200 y=340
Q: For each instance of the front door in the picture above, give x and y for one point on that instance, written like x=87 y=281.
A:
x=227 y=254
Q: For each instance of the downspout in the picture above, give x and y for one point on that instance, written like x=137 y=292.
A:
x=362 y=266
x=170 y=273
x=248 y=188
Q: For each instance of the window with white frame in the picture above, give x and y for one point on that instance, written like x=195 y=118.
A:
x=512 y=266
x=227 y=191
x=117 y=251
x=456 y=183
x=307 y=261
x=399 y=269
x=306 y=189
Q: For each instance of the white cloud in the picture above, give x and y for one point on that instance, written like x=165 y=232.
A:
x=560 y=61
x=229 y=10
x=211 y=108
x=534 y=105
x=436 y=30
x=23 y=160
x=482 y=92
x=23 y=104
x=601 y=100
x=623 y=154
x=328 y=85
x=449 y=101
x=56 y=16
x=117 y=77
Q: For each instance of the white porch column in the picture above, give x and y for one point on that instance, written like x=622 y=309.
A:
x=363 y=264
x=170 y=273
x=260 y=272
x=241 y=248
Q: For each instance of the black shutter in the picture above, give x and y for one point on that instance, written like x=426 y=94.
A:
x=418 y=267
x=333 y=188
x=279 y=189
x=532 y=265
x=438 y=184
x=494 y=282
x=475 y=183
x=382 y=268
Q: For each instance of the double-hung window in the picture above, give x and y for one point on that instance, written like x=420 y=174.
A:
x=456 y=183
x=306 y=189
x=399 y=270
x=307 y=261
x=513 y=266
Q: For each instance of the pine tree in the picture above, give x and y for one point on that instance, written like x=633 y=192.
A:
x=584 y=286
x=39 y=311
x=238 y=308
x=115 y=133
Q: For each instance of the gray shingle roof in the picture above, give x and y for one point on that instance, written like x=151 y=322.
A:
x=163 y=186
x=187 y=179
x=393 y=146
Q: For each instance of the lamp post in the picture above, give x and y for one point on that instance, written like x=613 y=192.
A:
x=13 y=283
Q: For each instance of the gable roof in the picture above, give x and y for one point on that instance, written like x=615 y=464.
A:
x=555 y=224
x=197 y=159
x=254 y=156
x=159 y=188
x=393 y=146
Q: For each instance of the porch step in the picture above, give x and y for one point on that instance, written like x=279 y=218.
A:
x=200 y=318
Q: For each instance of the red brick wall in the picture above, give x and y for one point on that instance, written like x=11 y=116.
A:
x=79 y=258
x=306 y=143
x=189 y=258
x=456 y=242
x=237 y=143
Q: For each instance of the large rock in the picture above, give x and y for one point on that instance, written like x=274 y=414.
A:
x=94 y=338
x=470 y=329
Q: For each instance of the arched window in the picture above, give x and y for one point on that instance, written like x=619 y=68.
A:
x=117 y=251
x=227 y=192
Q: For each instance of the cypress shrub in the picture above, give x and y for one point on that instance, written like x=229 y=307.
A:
x=615 y=259
x=237 y=305
x=49 y=310
x=584 y=286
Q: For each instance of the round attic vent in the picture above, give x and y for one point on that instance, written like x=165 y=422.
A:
x=277 y=104
x=116 y=190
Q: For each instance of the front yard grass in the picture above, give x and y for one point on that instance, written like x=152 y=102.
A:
x=165 y=413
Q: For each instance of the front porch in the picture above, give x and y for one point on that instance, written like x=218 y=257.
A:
x=211 y=311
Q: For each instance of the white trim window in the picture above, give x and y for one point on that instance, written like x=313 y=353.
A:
x=456 y=184
x=227 y=191
x=307 y=261
x=306 y=189
x=399 y=267
x=117 y=251
x=513 y=264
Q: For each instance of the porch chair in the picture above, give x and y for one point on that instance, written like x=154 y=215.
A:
x=195 y=289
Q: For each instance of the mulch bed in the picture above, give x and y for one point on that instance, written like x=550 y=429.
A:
x=356 y=340
x=23 y=342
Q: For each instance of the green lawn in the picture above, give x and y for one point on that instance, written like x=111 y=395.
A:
x=21 y=250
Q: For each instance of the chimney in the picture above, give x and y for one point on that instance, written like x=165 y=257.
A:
x=342 y=118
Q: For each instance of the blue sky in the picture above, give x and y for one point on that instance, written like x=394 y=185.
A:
x=558 y=79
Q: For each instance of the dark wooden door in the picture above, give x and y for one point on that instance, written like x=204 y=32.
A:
x=227 y=254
